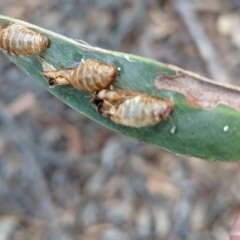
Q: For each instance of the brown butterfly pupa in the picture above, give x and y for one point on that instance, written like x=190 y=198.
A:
x=90 y=76
x=18 y=40
x=132 y=108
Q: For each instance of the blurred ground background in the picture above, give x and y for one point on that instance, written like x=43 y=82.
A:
x=63 y=176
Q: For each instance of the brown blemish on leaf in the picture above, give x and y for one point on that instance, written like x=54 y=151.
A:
x=200 y=92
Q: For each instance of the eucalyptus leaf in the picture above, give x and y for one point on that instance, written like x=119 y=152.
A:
x=211 y=133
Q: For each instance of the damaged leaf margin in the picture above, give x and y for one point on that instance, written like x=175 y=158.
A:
x=199 y=92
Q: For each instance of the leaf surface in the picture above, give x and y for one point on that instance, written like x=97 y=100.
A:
x=211 y=133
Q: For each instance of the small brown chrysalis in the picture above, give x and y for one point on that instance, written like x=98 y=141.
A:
x=90 y=76
x=131 y=108
x=18 y=40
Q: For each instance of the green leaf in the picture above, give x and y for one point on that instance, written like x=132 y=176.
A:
x=193 y=130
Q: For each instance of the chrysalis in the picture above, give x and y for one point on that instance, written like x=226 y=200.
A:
x=18 y=40
x=131 y=108
x=90 y=76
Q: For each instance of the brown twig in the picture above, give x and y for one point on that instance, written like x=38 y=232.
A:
x=212 y=60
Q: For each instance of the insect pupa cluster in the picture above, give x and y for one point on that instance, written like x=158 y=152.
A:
x=131 y=108
x=123 y=107
x=18 y=40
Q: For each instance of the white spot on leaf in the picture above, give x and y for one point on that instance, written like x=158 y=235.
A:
x=173 y=129
x=225 y=129
x=127 y=58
